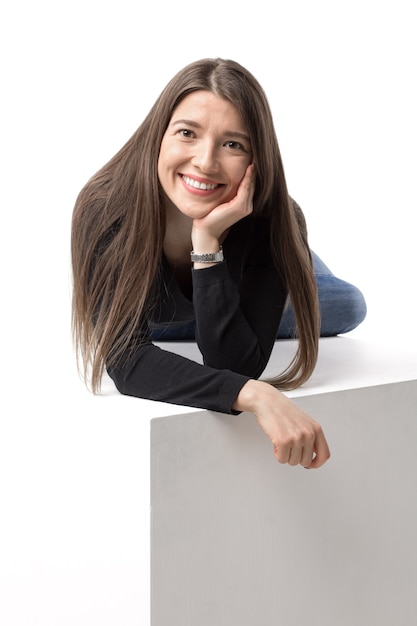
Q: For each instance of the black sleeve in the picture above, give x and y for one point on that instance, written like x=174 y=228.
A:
x=157 y=374
x=237 y=320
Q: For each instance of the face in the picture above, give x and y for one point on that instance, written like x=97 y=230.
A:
x=204 y=154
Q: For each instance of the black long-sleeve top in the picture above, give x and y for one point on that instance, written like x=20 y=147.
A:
x=237 y=306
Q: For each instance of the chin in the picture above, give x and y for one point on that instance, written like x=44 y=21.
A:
x=195 y=212
x=196 y=215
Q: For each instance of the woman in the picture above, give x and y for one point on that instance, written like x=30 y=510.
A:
x=202 y=176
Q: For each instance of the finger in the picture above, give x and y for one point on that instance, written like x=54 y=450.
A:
x=249 y=176
x=290 y=455
x=299 y=452
x=247 y=185
x=307 y=455
x=322 y=452
x=282 y=454
x=295 y=456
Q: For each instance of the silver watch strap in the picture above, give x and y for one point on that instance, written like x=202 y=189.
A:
x=210 y=257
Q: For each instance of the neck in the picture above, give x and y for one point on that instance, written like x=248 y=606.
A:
x=177 y=240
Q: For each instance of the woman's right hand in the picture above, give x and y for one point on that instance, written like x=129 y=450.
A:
x=296 y=438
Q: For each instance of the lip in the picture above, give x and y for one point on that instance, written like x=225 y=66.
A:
x=204 y=181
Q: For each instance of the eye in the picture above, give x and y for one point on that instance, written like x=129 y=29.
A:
x=235 y=146
x=186 y=133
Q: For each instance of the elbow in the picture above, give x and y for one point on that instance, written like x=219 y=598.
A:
x=118 y=377
x=250 y=367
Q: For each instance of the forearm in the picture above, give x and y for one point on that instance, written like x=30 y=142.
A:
x=224 y=335
x=156 y=374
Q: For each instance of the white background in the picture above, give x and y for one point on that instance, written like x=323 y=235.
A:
x=77 y=79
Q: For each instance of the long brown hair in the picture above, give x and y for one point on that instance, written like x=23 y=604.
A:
x=119 y=221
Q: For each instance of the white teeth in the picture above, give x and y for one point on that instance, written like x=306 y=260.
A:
x=197 y=185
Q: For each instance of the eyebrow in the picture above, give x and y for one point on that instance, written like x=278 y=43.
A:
x=228 y=133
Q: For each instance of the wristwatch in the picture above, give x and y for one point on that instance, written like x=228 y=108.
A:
x=209 y=257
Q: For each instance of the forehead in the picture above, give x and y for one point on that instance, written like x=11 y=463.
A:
x=204 y=106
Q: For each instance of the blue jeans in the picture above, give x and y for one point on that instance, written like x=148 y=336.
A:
x=342 y=305
x=342 y=308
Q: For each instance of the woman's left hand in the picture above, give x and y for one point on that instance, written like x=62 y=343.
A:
x=208 y=230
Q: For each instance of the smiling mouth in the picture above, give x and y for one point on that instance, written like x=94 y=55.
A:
x=198 y=185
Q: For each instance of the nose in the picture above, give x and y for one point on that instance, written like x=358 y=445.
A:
x=206 y=157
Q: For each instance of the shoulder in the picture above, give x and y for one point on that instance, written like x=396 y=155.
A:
x=299 y=216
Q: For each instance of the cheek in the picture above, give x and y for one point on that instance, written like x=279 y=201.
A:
x=162 y=155
x=170 y=158
x=237 y=176
x=164 y=162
